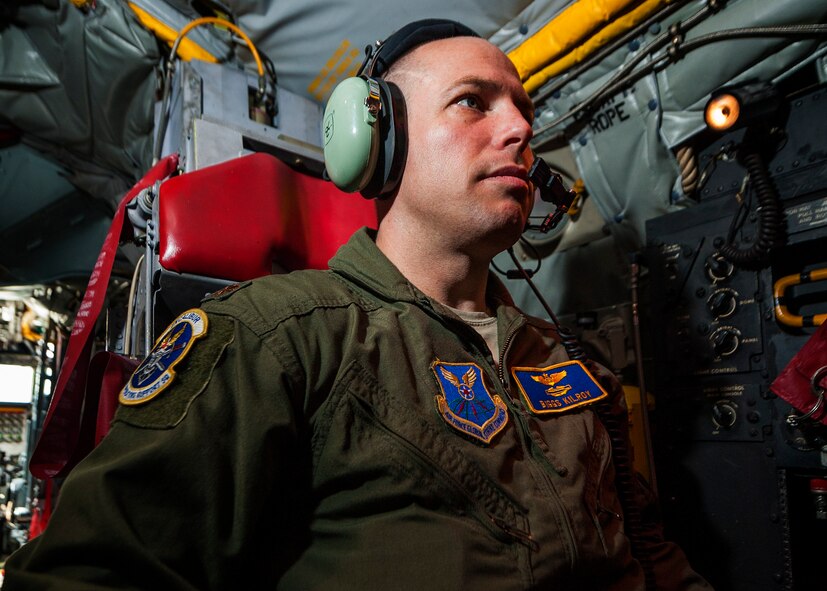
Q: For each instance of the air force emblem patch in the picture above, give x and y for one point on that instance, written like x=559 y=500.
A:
x=557 y=388
x=156 y=371
x=465 y=403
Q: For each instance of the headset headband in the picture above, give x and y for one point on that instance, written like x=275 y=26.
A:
x=383 y=54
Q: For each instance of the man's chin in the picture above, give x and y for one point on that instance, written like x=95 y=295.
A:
x=508 y=233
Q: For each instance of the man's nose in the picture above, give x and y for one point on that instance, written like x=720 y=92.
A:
x=516 y=128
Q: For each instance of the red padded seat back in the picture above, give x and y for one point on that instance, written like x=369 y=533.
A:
x=234 y=219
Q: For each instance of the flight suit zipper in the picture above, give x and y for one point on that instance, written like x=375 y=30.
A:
x=506 y=344
x=517 y=410
x=531 y=448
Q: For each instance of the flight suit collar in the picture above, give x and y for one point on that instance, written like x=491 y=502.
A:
x=361 y=261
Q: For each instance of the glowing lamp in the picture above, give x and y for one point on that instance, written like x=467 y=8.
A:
x=722 y=112
x=741 y=106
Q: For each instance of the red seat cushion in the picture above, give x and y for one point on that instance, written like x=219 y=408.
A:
x=235 y=219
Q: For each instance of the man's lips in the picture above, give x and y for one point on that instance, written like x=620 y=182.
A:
x=512 y=175
x=510 y=171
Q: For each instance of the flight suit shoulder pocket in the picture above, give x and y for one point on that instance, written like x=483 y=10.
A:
x=166 y=390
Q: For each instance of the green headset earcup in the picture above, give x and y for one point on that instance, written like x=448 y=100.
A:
x=351 y=137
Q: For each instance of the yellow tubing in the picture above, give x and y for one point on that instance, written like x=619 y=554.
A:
x=598 y=40
x=781 y=313
x=220 y=22
x=568 y=29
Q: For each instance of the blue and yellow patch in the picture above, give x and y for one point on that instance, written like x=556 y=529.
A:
x=465 y=403
x=557 y=388
x=155 y=373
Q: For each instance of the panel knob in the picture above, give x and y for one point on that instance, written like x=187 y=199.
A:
x=725 y=341
x=724 y=414
x=722 y=303
x=718 y=268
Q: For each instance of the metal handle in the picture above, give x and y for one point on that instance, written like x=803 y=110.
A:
x=782 y=314
x=793 y=420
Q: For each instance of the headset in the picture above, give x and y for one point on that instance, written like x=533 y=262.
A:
x=364 y=126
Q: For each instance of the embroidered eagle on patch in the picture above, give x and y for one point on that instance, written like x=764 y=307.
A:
x=464 y=388
x=569 y=386
x=551 y=380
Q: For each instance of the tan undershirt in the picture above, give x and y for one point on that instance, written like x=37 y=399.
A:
x=485 y=325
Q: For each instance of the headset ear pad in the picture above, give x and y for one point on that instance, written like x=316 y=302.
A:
x=351 y=137
x=393 y=143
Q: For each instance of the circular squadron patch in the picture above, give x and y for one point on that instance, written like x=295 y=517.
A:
x=156 y=371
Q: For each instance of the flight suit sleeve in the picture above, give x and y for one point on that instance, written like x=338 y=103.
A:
x=197 y=488
x=663 y=562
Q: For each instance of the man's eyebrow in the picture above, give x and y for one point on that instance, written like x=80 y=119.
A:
x=522 y=101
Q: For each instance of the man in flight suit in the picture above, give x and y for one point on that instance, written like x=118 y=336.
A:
x=392 y=423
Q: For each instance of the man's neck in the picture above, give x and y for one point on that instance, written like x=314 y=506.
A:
x=449 y=276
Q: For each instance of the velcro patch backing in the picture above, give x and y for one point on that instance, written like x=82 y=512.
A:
x=192 y=376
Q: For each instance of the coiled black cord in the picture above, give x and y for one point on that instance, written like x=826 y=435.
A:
x=626 y=490
x=618 y=435
x=621 y=458
x=770 y=231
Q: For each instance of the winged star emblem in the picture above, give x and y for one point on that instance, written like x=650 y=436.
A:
x=465 y=388
x=155 y=360
x=551 y=380
x=470 y=408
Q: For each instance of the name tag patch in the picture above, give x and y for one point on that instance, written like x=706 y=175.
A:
x=465 y=403
x=155 y=373
x=557 y=388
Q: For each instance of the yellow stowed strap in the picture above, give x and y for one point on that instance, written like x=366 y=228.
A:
x=561 y=61
x=569 y=28
x=574 y=34
x=188 y=49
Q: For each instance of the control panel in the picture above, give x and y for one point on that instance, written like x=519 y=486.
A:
x=713 y=312
x=13 y=429
x=742 y=489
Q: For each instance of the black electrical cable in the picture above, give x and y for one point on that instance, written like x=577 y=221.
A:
x=624 y=77
x=164 y=114
x=567 y=338
x=737 y=222
x=270 y=67
x=626 y=489
x=618 y=434
x=748 y=32
x=608 y=88
x=524 y=274
x=535 y=253
x=770 y=217
x=518 y=273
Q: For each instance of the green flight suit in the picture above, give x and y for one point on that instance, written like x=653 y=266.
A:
x=300 y=447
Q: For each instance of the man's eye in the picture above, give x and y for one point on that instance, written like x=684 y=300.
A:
x=471 y=102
